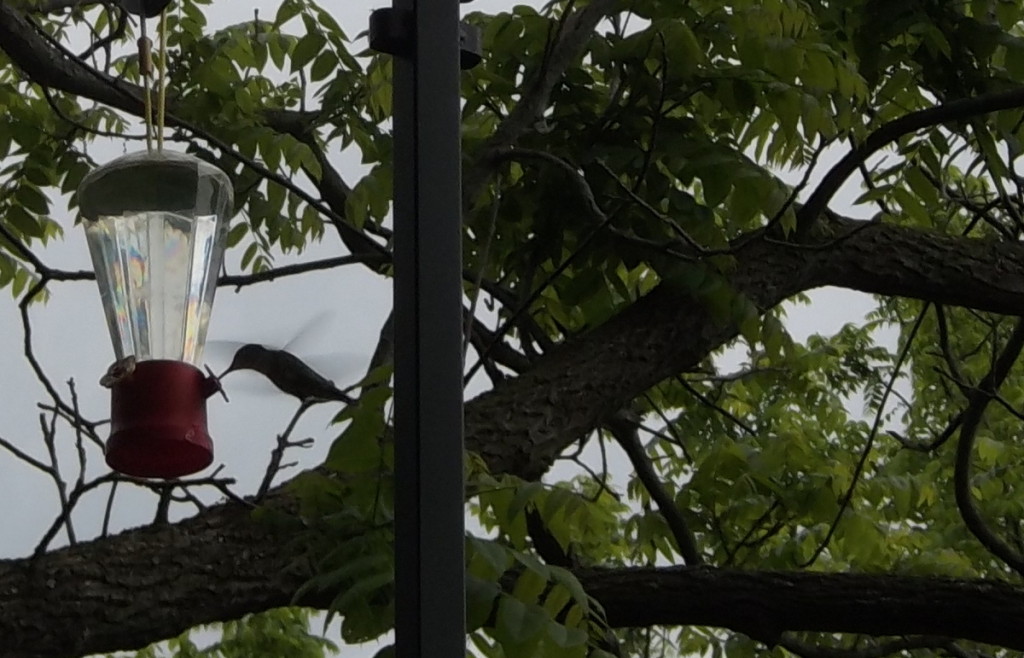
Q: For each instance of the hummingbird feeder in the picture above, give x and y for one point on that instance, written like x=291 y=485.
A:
x=156 y=224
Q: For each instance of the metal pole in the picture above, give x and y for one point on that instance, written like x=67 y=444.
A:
x=429 y=523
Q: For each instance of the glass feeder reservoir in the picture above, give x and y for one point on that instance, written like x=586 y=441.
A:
x=157 y=224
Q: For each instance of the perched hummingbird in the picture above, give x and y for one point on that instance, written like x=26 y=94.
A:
x=287 y=372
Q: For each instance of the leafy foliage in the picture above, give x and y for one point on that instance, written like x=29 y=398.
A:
x=281 y=632
x=662 y=151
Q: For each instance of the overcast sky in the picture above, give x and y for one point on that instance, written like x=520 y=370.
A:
x=71 y=341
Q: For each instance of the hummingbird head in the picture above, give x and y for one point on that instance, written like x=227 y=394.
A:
x=247 y=357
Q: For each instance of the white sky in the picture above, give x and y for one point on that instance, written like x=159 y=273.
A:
x=71 y=341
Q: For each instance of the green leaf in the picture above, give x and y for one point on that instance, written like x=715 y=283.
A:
x=247 y=257
x=32 y=199
x=566 y=638
x=288 y=10
x=306 y=49
x=518 y=622
x=325 y=64
x=496 y=556
x=524 y=495
x=480 y=597
x=23 y=222
x=237 y=232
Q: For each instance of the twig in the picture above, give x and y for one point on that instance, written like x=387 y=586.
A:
x=48 y=95
x=50 y=440
x=847 y=498
x=277 y=454
x=658 y=115
x=965 y=447
x=76 y=494
x=65 y=511
x=30 y=356
x=239 y=281
x=163 y=506
x=734 y=376
x=721 y=410
x=750 y=531
x=79 y=443
x=105 y=530
x=89 y=427
x=117 y=30
x=675 y=437
x=501 y=352
x=25 y=457
x=601 y=480
x=944 y=343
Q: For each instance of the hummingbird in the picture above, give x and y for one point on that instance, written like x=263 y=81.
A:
x=287 y=372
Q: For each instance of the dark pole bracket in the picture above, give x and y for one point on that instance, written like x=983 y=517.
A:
x=145 y=8
x=392 y=32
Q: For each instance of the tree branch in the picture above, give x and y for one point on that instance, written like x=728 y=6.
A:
x=891 y=131
x=242 y=280
x=759 y=603
x=979 y=401
x=116 y=600
x=627 y=436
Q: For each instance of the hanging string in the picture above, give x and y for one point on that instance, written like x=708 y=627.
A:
x=146 y=71
x=161 y=105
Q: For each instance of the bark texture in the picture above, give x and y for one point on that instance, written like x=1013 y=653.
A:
x=764 y=604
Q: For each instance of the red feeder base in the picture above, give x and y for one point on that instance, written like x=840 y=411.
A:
x=158 y=421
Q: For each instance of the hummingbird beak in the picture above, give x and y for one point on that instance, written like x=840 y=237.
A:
x=235 y=365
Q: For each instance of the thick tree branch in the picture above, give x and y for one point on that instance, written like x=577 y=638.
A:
x=574 y=388
x=105 y=595
x=880 y=650
x=765 y=603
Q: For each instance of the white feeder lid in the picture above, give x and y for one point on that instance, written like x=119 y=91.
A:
x=164 y=181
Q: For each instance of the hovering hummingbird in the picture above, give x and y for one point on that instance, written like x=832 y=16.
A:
x=287 y=372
